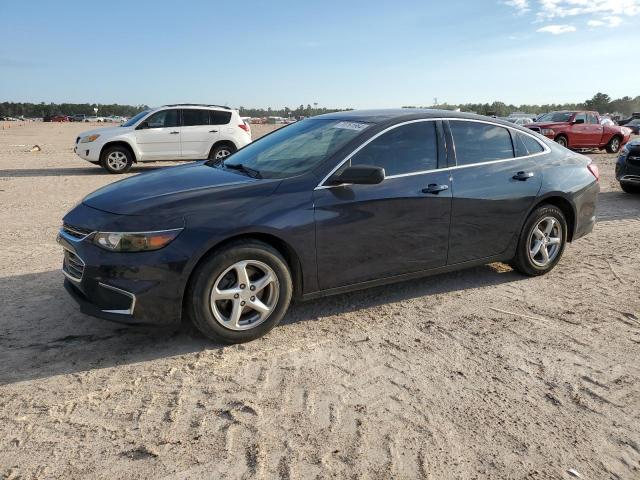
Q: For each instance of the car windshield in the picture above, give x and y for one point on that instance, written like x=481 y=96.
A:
x=133 y=120
x=556 y=117
x=294 y=149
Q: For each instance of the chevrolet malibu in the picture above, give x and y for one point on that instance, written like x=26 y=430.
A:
x=326 y=205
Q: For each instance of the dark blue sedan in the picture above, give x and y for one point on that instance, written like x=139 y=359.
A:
x=330 y=204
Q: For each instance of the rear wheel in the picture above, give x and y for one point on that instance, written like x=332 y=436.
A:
x=563 y=141
x=220 y=152
x=541 y=242
x=116 y=159
x=240 y=293
x=614 y=145
x=630 y=188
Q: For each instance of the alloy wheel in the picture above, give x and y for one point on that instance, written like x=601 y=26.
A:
x=615 y=145
x=117 y=160
x=545 y=242
x=244 y=295
x=222 y=153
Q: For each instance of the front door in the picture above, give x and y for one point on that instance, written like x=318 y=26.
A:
x=369 y=232
x=579 y=131
x=492 y=189
x=595 y=130
x=158 y=137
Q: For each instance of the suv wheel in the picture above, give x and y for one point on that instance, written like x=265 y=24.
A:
x=221 y=152
x=629 y=188
x=614 y=145
x=240 y=293
x=541 y=242
x=116 y=159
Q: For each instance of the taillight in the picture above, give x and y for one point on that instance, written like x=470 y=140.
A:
x=593 y=168
x=244 y=126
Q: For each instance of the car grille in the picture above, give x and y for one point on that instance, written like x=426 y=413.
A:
x=535 y=129
x=75 y=232
x=73 y=265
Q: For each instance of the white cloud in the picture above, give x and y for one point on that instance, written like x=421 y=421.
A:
x=557 y=29
x=597 y=13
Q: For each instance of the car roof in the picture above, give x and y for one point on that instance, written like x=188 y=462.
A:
x=197 y=105
x=401 y=114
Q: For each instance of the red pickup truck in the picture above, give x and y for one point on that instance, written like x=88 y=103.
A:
x=580 y=129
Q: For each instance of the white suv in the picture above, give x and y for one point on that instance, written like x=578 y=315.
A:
x=171 y=132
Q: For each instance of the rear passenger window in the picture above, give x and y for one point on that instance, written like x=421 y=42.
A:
x=480 y=142
x=525 y=145
x=193 y=117
x=406 y=149
x=219 y=118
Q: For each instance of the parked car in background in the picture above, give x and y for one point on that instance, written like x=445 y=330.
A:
x=634 y=125
x=520 y=120
x=56 y=118
x=93 y=118
x=171 y=132
x=580 y=129
x=326 y=205
x=628 y=167
x=79 y=117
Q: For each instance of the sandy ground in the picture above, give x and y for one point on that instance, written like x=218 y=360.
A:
x=475 y=374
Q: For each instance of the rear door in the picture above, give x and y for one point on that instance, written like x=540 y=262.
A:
x=197 y=134
x=595 y=130
x=158 y=137
x=369 y=232
x=493 y=187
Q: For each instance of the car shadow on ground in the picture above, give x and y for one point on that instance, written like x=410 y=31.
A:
x=72 y=172
x=42 y=333
x=618 y=205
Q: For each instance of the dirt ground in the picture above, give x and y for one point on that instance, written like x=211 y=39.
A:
x=476 y=374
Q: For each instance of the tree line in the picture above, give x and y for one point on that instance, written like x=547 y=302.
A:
x=600 y=102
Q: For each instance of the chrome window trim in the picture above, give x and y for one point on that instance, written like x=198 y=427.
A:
x=124 y=292
x=545 y=147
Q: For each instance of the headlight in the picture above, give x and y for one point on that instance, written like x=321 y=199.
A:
x=547 y=131
x=90 y=138
x=135 y=241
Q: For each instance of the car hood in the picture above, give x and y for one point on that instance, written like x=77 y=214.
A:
x=107 y=131
x=547 y=124
x=170 y=190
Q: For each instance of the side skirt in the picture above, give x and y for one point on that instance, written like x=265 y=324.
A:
x=406 y=276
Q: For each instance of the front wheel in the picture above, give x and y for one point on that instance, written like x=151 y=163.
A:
x=562 y=141
x=541 y=242
x=116 y=159
x=240 y=293
x=614 y=145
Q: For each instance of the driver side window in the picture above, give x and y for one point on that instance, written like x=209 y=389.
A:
x=163 y=119
x=581 y=116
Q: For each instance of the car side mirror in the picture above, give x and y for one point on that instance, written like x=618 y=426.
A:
x=143 y=126
x=578 y=121
x=359 y=175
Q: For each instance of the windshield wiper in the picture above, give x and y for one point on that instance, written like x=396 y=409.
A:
x=253 y=173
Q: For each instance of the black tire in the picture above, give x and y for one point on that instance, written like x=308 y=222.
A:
x=614 y=145
x=214 y=267
x=562 y=141
x=123 y=165
x=222 y=151
x=630 y=188
x=523 y=262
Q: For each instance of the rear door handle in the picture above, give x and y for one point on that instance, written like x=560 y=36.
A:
x=174 y=133
x=523 y=176
x=435 y=188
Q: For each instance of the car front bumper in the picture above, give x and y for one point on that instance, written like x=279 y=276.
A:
x=132 y=288
x=88 y=151
x=628 y=167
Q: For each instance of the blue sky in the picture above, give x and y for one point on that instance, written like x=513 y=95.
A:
x=336 y=53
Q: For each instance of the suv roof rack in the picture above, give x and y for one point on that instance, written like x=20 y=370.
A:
x=196 y=105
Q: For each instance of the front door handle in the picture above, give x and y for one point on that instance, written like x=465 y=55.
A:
x=174 y=133
x=435 y=188
x=523 y=176
x=213 y=131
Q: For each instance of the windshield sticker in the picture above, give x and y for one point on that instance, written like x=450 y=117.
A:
x=351 y=126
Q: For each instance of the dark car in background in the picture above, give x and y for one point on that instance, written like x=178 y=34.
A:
x=326 y=205
x=634 y=125
x=56 y=118
x=628 y=167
